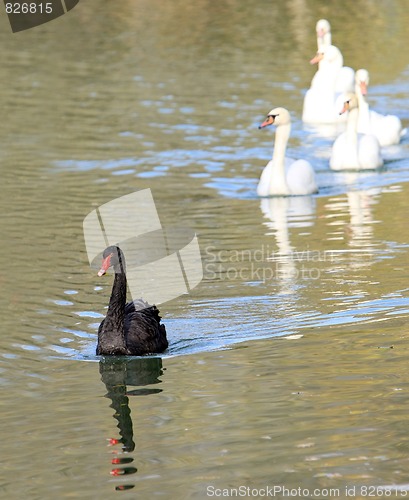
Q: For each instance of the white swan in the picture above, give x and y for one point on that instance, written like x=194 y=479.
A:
x=387 y=128
x=331 y=79
x=284 y=176
x=353 y=151
x=323 y=30
x=320 y=99
x=345 y=78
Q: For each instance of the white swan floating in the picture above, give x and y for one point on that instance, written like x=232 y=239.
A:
x=345 y=78
x=331 y=79
x=387 y=128
x=353 y=151
x=283 y=176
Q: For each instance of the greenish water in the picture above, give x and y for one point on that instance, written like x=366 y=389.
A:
x=287 y=365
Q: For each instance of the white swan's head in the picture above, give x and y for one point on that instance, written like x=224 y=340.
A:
x=350 y=101
x=278 y=116
x=322 y=28
x=329 y=54
x=362 y=80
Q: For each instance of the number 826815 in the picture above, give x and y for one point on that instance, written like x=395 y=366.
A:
x=29 y=8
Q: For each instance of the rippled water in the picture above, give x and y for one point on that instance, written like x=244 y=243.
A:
x=287 y=365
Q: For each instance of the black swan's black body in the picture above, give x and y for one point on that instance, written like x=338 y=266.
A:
x=130 y=329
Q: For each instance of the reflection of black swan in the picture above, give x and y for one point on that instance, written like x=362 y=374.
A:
x=118 y=373
x=126 y=329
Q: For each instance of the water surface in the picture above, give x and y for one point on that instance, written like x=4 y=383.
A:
x=288 y=363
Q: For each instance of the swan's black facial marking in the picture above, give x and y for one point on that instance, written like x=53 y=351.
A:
x=345 y=108
x=268 y=121
x=273 y=117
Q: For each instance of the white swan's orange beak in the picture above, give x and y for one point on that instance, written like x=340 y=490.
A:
x=268 y=121
x=345 y=108
x=363 y=87
x=106 y=264
x=317 y=58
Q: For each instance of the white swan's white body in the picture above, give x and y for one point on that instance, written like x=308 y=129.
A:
x=283 y=176
x=353 y=151
x=331 y=79
x=386 y=128
x=345 y=78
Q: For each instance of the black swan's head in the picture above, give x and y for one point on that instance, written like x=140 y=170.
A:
x=112 y=257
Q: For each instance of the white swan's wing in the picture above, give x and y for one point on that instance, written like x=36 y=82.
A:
x=369 y=152
x=263 y=186
x=387 y=128
x=345 y=80
x=322 y=106
x=270 y=186
x=341 y=156
x=301 y=178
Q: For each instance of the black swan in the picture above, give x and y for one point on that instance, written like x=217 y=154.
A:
x=128 y=330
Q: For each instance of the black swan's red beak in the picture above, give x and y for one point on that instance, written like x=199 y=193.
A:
x=106 y=263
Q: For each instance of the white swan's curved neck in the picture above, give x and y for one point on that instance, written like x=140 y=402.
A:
x=280 y=145
x=324 y=41
x=278 y=160
x=352 y=122
x=363 y=120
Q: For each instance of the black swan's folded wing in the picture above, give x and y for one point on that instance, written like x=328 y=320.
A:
x=143 y=330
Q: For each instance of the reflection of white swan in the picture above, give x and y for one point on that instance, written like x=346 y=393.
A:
x=284 y=176
x=360 y=204
x=284 y=213
x=386 y=128
x=361 y=220
x=351 y=150
x=331 y=79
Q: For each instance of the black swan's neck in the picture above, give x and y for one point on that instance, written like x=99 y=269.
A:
x=112 y=336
